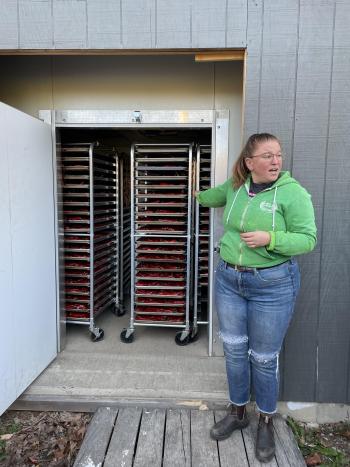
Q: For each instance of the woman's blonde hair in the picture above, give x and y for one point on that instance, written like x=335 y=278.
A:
x=240 y=170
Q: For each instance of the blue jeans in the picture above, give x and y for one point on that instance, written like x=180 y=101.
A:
x=254 y=310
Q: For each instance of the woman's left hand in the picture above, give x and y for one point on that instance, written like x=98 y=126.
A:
x=256 y=239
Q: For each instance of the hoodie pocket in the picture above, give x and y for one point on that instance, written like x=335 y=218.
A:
x=274 y=274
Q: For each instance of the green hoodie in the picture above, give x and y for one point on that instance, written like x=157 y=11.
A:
x=284 y=210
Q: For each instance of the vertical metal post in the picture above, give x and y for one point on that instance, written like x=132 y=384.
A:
x=196 y=244
x=91 y=233
x=188 y=262
x=120 y=251
x=132 y=239
x=219 y=175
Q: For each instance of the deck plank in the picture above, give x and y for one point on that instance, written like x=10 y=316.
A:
x=249 y=437
x=177 y=438
x=204 y=449
x=96 y=440
x=123 y=442
x=288 y=445
x=150 y=441
x=177 y=449
x=231 y=451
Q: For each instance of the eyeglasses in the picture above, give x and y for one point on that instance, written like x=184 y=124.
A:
x=268 y=156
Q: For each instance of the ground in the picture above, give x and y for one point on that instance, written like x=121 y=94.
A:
x=44 y=439
x=53 y=439
x=324 y=445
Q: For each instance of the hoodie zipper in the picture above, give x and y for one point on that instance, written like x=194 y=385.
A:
x=241 y=226
x=241 y=243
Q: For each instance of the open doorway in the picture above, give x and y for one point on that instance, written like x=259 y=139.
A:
x=164 y=318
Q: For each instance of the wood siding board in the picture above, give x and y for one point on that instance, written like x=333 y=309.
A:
x=314 y=70
x=70 y=24
x=254 y=27
x=177 y=449
x=341 y=32
x=138 y=24
x=204 y=449
x=330 y=323
x=333 y=371
x=251 y=117
x=252 y=90
x=96 y=440
x=311 y=114
x=253 y=67
x=104 y=24
x=278 y=88
x=288 y=5
x=173 y=24
x=236 y=23
x=278 y=76
x=334 y=214
x=150 y=441
x=341 y=70
x=208 y=23
x=278 y=20
x=339 y=167
x=316 y=26
x=123 y=441
x=340 y=115
x=338 y=151
x=279 y=44
x=35 y=22
x=276 y=116
x=8 y=24
x=334 y=339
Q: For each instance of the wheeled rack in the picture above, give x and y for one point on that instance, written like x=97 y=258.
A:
x=88 y=203
x=161 y=177
x=124 y=233
x=201 y=239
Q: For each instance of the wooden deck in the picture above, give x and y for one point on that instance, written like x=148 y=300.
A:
x=138 y=437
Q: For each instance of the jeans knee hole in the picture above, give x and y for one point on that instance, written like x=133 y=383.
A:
x=233 y=340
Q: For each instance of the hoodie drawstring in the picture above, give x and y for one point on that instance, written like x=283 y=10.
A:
x=274 y=206
x=233 y=202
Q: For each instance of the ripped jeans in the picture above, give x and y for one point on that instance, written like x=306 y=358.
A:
x=254 y=310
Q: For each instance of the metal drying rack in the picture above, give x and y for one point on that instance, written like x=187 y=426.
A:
x=161 y=204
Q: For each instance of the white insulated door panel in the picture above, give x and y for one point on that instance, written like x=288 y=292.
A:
x=7 y=368
x=28 y=304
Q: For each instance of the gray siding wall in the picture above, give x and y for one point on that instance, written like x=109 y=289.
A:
x=297 y=86
x=122 y=24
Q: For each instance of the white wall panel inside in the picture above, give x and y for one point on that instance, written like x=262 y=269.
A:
x=133 y=82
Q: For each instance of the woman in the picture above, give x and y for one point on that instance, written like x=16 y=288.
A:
x=268 y=219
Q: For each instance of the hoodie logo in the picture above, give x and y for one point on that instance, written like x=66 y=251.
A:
x=268 y=207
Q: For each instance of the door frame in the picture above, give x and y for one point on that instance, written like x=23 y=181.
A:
x=216 y=120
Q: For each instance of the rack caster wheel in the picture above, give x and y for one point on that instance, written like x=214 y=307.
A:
x=182 y=338
x=194 y=336
x=127 y=336
x=97 y=334
x=120 y=311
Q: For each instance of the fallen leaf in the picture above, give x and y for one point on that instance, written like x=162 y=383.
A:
x=33 y=460
x=313 y=459
x=6 y=437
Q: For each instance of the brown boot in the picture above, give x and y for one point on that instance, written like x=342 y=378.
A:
x=236 y=419
x=265 y=442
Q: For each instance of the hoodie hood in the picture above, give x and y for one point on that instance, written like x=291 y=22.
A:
x=284 y=179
